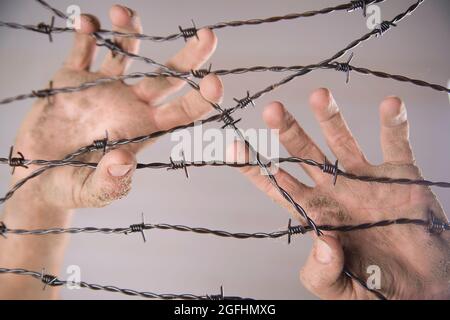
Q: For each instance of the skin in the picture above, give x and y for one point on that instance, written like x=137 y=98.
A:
x=414 y=264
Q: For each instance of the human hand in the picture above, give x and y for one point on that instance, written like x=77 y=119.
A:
x=414 y=264
x=50 y=131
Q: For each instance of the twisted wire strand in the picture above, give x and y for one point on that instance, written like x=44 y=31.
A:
x=221 y=72
x=201 y=164
x=350 y=6
x=222 y=233
x=227 y=119
x=53 y=281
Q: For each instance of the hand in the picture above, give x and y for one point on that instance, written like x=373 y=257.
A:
x=70 y=121
x=414 y=263
x=50 y=131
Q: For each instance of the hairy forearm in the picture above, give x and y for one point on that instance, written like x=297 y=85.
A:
x=27 y=210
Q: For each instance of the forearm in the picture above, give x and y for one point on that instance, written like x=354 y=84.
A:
x=27 y=210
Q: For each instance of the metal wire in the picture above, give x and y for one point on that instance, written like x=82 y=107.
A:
x=223 y=72
x=350 y=7
x=53 y=281
x=291 y=230
x=182 y=164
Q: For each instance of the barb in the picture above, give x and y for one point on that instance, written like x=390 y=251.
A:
x=345 y=67
x=189 y=32
x=101 y=144
x=53 y=281
x=47 y=28
x=430 y=225
x=175 y=165
x=359 y=4
x=384 y=27
x=138 y=228
x=244 y=102
x=15 y=162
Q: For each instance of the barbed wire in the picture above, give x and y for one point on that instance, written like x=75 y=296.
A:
x=325 y=166
x=201 y=73
x=224 y=114
x=433 y=226
x=191 y=31
x=53 y=281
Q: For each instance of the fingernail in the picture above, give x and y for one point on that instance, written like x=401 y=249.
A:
x=323 y=252
x=130 y=11
x=119 y=170
x=332 y=105
x=402 y=115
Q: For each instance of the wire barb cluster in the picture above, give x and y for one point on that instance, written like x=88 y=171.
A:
x=384 y=27
x=244 y=102
x=345 y=67
x=189 y=32
x=359 y=4
x=47 y=28
x=331 y=169
x=15 y=162
x=179 y=164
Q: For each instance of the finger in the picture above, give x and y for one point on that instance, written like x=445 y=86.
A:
x=395 y=132
x=239 y=153
x=323 y=272
x=337 y=134
x=195 y=53
x=123 y=20
x=83 y=49
x=110 y=181
x=190 y=107
x=294 y=138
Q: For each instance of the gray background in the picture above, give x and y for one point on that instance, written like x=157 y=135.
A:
x=220 y=197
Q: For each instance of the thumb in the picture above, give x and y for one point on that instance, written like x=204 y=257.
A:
x=323 y=272
x=110 y=181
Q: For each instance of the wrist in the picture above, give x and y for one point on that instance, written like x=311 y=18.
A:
x=31 y=205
